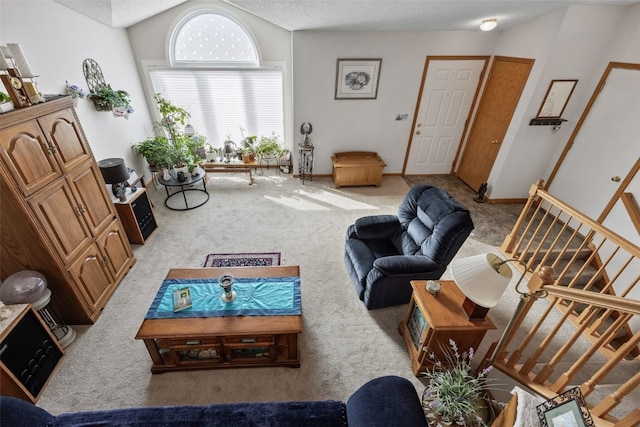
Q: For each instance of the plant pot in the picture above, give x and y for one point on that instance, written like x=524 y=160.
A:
x=211 y=157
x=248 y=158
x=183 y=169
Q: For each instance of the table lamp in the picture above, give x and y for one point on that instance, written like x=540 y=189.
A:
x=482 y=279
x=115 y=172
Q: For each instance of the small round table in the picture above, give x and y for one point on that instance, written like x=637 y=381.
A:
x=188 y=182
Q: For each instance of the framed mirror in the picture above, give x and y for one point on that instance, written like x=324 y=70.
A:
x=556 y=98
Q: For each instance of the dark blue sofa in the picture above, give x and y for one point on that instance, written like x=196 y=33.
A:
x=383 y=402
x=383 y=253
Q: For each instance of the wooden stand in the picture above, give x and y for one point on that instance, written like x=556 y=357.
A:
x=432 y=321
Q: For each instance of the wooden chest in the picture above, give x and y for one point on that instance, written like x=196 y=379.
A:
x=357 y=168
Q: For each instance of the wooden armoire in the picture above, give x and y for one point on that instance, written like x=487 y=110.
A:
x=56 y=215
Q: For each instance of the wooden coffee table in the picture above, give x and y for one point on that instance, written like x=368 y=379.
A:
x=231 y=167
x=176 y=344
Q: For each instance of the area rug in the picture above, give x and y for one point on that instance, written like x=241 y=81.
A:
x=242 y=259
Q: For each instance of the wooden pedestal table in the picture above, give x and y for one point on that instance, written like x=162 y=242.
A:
x=432 y=321
x=231 y=167
x=231 y=341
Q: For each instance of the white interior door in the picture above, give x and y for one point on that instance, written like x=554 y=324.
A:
x=447 y=95
x=606 y=146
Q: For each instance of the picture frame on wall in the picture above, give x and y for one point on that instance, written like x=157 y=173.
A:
x=567 y=409
x=357 y=78
x=556 y=99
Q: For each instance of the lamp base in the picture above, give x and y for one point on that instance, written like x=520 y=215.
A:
x=473 y=310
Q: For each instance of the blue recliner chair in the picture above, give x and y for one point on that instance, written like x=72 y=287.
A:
x=384 y=252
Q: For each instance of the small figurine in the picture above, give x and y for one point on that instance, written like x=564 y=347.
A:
x=306 y=129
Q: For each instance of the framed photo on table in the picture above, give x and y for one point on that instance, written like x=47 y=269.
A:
x=567 y=409
x=357 y=78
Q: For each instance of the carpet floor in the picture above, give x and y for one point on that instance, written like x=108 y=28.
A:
x=342 y=345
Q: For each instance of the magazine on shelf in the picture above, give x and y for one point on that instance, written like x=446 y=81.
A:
x=181 y=299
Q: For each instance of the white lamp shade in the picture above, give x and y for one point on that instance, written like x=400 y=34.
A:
x=481 y=279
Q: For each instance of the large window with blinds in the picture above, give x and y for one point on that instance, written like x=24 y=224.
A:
x=217 y=78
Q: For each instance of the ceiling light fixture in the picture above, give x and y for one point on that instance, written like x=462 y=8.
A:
x=488 y=24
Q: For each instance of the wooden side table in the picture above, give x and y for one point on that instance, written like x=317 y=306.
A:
x=432 y=321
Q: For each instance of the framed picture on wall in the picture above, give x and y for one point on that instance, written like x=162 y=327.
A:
x=357 y=78
x=556 y=98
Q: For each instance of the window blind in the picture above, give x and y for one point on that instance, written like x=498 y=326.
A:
x=223 y=101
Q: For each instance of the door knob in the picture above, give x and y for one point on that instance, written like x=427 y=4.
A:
x=417 y=132
x=495 y=141
x=615 y=178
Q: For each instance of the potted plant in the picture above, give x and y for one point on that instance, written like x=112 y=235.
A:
x=455 y=395
x=269 y=146
x=157 y=151
x=249 y=150
x=172 y=147
x=116 y=101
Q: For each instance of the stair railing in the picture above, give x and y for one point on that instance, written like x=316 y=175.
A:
x=586 y=333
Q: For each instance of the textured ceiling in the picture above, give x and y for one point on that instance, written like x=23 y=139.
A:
x=120 y=13
x=350 y=15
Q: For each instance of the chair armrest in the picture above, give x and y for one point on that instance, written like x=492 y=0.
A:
x=388 y=401
x=405 y=264
x=376 y=227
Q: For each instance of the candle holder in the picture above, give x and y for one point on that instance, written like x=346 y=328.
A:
x=226 y=283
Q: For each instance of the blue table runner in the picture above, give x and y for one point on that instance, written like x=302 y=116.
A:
x=256 y=296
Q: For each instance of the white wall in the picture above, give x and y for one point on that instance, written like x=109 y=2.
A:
x=368 y=125
x=565 y=47
x=56 y=40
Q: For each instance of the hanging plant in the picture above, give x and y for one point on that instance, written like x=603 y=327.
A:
x=116 y=101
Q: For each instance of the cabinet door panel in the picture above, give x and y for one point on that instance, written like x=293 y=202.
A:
x=24 y=150
x=113 y=243
x=58 y=213
x=88 y=189
x=65 y=134
x=92 y=277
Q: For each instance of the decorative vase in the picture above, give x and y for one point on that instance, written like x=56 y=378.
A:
x=197 y=171
x=226 y=283
x=166 y=175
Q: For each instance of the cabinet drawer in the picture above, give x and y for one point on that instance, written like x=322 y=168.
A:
x=193 y=342
x=253 y=339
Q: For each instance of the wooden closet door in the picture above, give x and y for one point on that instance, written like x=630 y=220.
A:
x=27 y=155
x=61 y=218
x=504 y=86
x=66 y=138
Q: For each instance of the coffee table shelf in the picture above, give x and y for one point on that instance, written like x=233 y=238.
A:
x=176 y=344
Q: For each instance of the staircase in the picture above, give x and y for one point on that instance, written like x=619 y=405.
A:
x=580 y=325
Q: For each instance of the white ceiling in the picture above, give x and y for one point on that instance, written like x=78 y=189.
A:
x=350 y=15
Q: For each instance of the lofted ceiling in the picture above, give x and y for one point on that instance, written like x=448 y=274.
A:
x=350 y=15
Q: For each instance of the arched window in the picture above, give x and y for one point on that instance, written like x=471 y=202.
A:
x=215 y=75
x=211 y=39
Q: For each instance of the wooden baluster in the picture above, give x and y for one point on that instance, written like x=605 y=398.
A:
x=507 y=245
x=566 y=377
x=614 y=399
